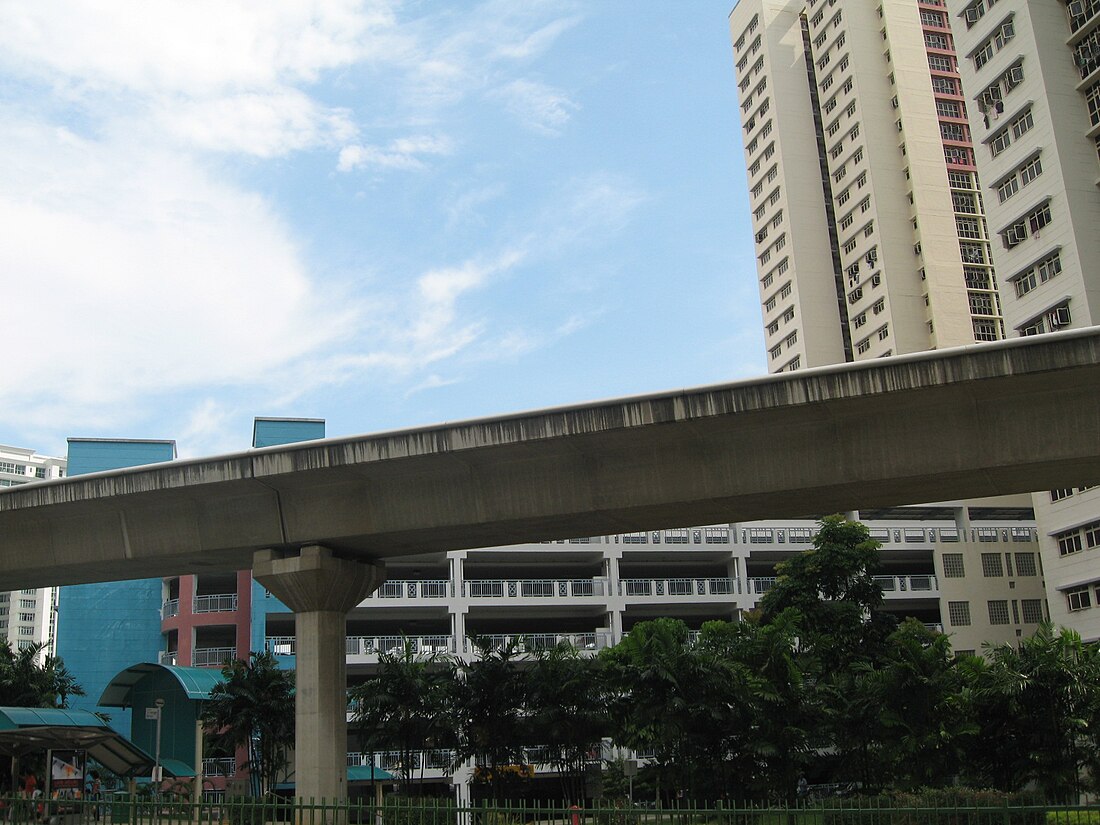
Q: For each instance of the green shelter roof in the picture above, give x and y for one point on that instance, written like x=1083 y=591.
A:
x=36 y=730
x=37 y=717
x=197 y=682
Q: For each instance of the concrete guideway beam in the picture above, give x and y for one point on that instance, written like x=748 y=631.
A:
x=321 y=589
x=1008 y=417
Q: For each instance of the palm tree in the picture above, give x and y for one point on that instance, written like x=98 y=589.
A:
x=406 y=706
x=567 y=711
x=253 y=708
x=28 y=679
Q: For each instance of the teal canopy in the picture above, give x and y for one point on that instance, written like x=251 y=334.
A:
x=36 y=730
x=197 y=682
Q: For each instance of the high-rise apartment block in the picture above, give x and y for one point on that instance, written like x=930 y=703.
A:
x=867 y=126
x=1031 y=71
x=871 y=238
x=28 y=617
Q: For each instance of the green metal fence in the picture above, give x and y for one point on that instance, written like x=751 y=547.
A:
x=122 y=810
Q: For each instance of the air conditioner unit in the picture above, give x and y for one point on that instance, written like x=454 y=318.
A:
x=760 y=236
x=1077 y=8
x=1059 y=317
x=876 y=279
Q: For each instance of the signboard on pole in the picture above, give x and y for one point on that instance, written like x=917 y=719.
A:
x=67 y=770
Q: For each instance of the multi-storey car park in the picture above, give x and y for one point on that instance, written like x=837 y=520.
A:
x=970 y=571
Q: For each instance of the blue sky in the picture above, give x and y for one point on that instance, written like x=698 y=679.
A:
x=383 y=214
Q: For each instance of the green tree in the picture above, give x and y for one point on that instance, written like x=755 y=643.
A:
x=407 y=706
x=253 y=708
x=30 y=679
x=771 y=716
x=567 y=711
x=490 y=712
x=1041 y=700
x=832 y=587
x=677 y=701
x=922 y=716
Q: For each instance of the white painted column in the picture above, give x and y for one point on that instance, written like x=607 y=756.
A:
x=320 y=588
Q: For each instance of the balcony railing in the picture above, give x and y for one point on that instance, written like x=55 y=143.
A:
x=530 y=642
x=370 y=645
x=168 y=657
x=906 y=584
x=367 y=645
x=759 y=585
x=433 y=760
x=532 y=588
x=678 y=587
x=170 y=608
x=210 y=656
x=222 y=603
x=413 y=589
x=219 y=767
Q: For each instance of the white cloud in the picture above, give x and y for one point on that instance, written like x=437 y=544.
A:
x=140 y=273
x=403 y=153
x=537 y=106
x=266 y=125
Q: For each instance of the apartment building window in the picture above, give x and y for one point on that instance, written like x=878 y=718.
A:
x=986 y=330
x=969 y=228
x=773 y=327
x=976 y=277
x=1092 y=534
x=777 y=219
x=981 y=303
x=998 y=611
x=849 y=248
x=842 y=198
x=859 y=320
x=1058 y=495
x=957 y=155
x=863 y=346
x=1092 y=97
x=794 y=364
x=1078 y=598
x=1025 y=565
x=884 y=332
x=847 y=220
x=991 y=565
x=878 y=306
x=1008 y=187
x=1032 y=610
x=850 y=110
x=773 y=198
x=785 y=291
x=948 y=108
x=1030 y=170
x=848 y=85
x=1038 y=273
x=769 y=304
x=840 y=172
x=940 y=63
x=1027 y=225
x=953 y=567
x=984 y=54
x=932 y=18
x=958 y=614
x=1069 y=542
x=27 y=604
x=788 y=316
x=945 y=85
x=953 y=131
x=14 y=469
x=936 y=41
x=767 y=281
x=791 y=339
x=760 y=535
x=26 y=617
x=855 y=295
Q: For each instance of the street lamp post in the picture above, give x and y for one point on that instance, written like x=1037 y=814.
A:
x=157 y=775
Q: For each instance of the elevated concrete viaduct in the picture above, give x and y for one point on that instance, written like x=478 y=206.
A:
x=315 y=520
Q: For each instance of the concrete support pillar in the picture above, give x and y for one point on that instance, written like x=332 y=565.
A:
x=320 y=588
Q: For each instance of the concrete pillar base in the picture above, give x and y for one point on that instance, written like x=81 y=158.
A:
x=320 y=588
